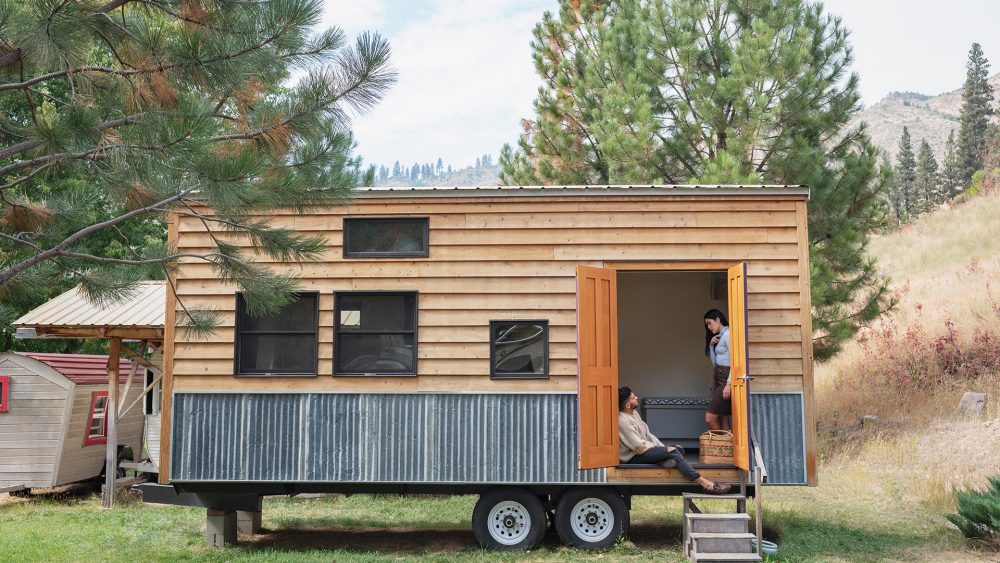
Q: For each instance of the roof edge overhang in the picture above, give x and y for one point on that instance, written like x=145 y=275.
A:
x=589 y=190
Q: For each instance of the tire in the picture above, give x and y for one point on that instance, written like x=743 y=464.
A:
x=591 y=518
x=509 y=520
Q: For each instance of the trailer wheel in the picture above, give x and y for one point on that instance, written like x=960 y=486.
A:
x=509 y=520
x=591 y=518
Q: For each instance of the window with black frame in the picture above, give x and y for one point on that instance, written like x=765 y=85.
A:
x=284 y=343
x=385 y=237
x=519 y=349
x=375 y=333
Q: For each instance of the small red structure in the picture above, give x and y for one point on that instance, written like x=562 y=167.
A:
x=54 y=424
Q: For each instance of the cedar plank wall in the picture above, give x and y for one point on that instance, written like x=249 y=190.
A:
x=514 y=258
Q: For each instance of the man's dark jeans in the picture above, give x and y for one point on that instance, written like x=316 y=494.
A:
x=659 y=454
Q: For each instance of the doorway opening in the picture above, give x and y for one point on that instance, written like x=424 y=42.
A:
x=661 y=347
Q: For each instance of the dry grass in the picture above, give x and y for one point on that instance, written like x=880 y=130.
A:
x=911 y=369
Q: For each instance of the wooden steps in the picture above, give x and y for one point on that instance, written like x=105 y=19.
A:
x=720 y=536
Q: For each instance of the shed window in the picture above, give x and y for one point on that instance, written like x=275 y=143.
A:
x=366 y=237
x=4 y=392
x=375 y=333
x=97 y=423
x=281 y=344
x=519 y=349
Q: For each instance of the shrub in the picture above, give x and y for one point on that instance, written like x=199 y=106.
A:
x=978 y=514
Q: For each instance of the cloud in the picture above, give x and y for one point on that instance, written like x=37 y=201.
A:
x=466 y=78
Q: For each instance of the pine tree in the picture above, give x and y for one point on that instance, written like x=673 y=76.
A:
x=926 y=184
x=440 y=166
x=449 y=168
x=397 y=170
x=415 y=172
x=977 y=95
x=477 y=162
x=162 y=107
x=758 y=91
x=951 y=172
x=904 y=176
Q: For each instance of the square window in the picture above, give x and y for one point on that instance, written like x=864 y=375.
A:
x=284 y=343
x=519 y=349
x=386 y=237
x=4 y=393
x=97 y=423
x=375 y=333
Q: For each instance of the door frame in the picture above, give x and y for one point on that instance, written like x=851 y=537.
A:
x=681 y=266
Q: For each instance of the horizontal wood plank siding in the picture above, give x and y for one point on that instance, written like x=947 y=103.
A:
x=510 y=258
x=79 y=462
x=31 y=428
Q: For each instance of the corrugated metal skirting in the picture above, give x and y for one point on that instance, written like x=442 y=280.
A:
x=397 y=438
x=778 y=425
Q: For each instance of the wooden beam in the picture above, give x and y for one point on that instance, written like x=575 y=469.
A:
x=808 y=395
x=169 y=320
x=137 y=358
x=111 y=423
x=131 y=375
x=132 y=333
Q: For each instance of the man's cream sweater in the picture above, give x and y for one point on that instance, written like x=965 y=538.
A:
x=634 y=436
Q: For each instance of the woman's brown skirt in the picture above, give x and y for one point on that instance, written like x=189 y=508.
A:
x=719 y=405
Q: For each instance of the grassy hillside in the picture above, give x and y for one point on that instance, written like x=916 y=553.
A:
x=929 y=117
x=910 y=370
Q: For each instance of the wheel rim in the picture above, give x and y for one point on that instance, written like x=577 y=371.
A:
x=509 y=522
x=592 y=520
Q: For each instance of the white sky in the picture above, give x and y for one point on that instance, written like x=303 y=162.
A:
x=466 y=76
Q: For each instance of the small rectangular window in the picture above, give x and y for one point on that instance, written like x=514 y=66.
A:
x=385 y=237
x=4 y=393
x=519 y=349
x=375 y=333
x=284 y=343
x=97 y=423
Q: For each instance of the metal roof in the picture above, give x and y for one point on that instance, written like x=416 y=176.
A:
x=145 y=310
x=84 y=369
x=616 y=189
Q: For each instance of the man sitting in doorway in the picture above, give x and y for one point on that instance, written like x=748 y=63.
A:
x=638 y=445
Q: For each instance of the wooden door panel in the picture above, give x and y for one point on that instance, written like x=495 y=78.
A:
x=739 y=360
x=597 y=357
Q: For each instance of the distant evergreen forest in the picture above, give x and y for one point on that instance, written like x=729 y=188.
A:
x=483 y=172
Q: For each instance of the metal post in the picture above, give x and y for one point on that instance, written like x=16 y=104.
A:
x=110 y=421
x=758 y=489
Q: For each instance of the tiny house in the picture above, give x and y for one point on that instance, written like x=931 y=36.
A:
x=472 y=340
x=53 y=424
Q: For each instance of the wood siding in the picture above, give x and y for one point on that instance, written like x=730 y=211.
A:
x=31 y=430
x=513 y=258
x=79 y=462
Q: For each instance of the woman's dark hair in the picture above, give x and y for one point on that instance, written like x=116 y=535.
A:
x=717 y=315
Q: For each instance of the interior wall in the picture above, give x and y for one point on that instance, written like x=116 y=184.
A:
x=661 y=334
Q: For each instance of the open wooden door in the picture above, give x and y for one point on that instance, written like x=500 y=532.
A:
x=597 y=360
x=739 y=359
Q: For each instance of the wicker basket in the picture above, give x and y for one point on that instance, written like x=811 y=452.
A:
x=716 y=446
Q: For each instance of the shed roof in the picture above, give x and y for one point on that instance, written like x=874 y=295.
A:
x=72 y=315
x=82 y=369
x=619 y=189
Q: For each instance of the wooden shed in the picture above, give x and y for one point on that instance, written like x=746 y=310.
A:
x=53 y=423
x=460 y=339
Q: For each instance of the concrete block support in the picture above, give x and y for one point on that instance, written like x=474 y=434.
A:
x=248 y=522
x=220 y=528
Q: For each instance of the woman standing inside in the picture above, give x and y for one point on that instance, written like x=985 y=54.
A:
x=717 y=348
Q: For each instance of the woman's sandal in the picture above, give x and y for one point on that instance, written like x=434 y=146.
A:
x=719 y=489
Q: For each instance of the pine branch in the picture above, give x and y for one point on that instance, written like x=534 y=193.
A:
x=12 y=271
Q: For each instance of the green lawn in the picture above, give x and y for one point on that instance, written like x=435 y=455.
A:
x=823 y=524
